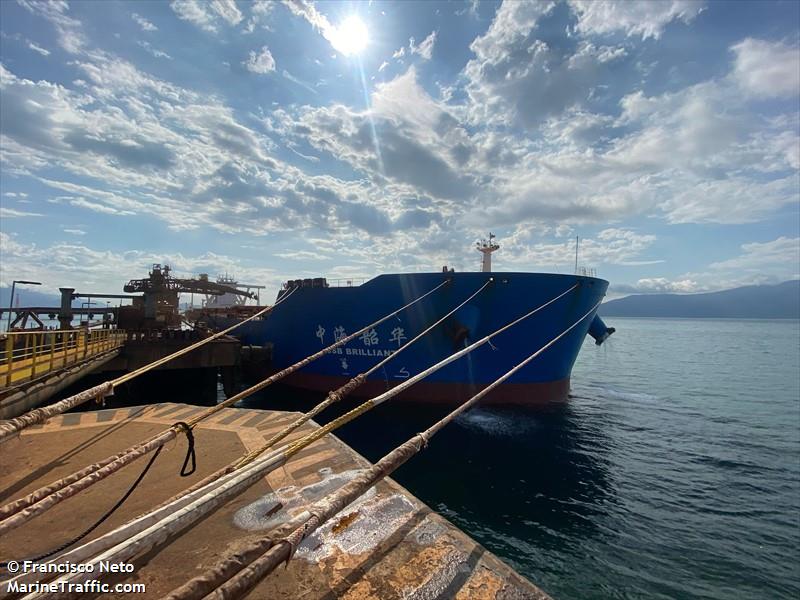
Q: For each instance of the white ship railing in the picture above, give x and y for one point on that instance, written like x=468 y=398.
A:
x=586 y=272
x=351 y=282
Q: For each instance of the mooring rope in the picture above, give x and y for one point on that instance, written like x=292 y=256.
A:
x=96 y=524
x=137 y=539
x=238 y=574
x=309 y=359
x=108 y=465
x=39 y=501
x=98 y=392
x=372 y=403
x=331 y=398
x=343 y=391
x=157 y=515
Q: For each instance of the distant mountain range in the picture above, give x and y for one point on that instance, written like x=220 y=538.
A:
x=781 y=301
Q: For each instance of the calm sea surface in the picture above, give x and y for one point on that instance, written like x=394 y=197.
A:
x=674 y=472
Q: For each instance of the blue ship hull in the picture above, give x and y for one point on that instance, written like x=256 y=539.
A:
x=312 y=318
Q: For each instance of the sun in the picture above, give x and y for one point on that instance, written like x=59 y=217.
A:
x=351 y=36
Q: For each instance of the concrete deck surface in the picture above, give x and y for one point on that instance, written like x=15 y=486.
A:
x=388 y=545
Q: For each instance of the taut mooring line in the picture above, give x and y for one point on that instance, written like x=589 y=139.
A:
x=40 y=415
x=42 y=499
x=240 y=573
x=131 y=541
x=343 y=391
x=185 y=496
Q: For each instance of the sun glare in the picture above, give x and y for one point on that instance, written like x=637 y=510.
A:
x=351 y=36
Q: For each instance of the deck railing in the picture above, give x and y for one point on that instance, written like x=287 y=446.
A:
x=350 y=282
x=26 y=355
x=586 y=272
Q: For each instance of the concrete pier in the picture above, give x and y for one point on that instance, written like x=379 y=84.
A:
x=387 y=545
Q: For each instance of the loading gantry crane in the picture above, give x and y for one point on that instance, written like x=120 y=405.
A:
x=158 y=305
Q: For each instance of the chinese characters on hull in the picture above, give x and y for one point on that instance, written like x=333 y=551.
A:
x=398 y=335
x=369 y=339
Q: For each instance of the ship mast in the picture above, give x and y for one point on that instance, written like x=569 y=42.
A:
x=486 y=248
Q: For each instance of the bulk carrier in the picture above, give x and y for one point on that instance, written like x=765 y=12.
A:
x=319 y=314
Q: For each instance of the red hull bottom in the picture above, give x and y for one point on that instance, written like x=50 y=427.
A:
x=443 y=394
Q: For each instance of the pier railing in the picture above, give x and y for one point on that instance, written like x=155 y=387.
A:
x=26 y=355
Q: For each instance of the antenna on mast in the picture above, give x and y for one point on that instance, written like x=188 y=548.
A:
x=486 y=248
x=577 y=243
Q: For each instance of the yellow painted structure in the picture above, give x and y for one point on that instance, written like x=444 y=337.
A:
x=26 y=355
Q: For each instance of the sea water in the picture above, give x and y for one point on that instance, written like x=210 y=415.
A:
x=673 y=471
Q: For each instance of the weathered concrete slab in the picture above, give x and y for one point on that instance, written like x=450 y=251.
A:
x=387 y=545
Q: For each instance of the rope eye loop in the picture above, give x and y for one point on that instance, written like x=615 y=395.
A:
x=190 y=453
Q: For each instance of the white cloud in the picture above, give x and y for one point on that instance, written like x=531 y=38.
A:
x=781 y=255
x=662 y=285
x=384 y=64
x=259 y=11
x=38 y=49
x=68 y=29
x=645 y=18
x=72 y=263
x=195 y=12
x=8 y=213
x=302 y=255
x=682 y=155
x=143 y=23
x=97 y=207
x=425 y=48
x=153 y=51
x=261 y=62
x=614 y=246
x=262 y=7
x=298 y=81
x=759 y=263
x=228 y=10
x=730 y=201
x=766 y=69
x=406 y=139
x=75 y=231
x=416 y=166
x=183 y=158
x=471 y=10
x=308 y=11
x=516 y=78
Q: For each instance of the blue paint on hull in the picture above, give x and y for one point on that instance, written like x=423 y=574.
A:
x=310 y=319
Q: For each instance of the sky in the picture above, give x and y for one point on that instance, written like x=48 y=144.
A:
x=284 y=140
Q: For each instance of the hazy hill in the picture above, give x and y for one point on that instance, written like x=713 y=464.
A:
x=30 y=297
x=781 y=301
